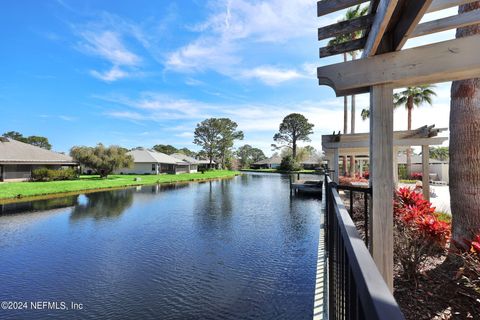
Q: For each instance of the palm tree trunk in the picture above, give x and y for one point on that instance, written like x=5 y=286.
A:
x=409 y=127
x=345 y=122
x=464 y=168
x=352 y=126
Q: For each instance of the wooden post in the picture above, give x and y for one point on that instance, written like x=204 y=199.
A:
x=335 y=167
x=395 y=167
x=381 y=179
x=426 y=172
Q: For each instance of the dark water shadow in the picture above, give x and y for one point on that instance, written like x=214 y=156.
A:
x=103 y=205
x=38 y=205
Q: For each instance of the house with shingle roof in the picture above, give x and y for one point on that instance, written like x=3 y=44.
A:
x=146 y=161
x=18 y=159
x=271 y=163
x=192 y=162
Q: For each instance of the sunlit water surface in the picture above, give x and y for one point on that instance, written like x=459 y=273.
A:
x=229 y=249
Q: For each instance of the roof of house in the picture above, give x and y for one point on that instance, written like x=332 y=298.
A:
x=272 y=160
x=13 y=152
x=416 y=159
x=204 y=161
x=312 y=160
x=151 y=156
x=185 y=158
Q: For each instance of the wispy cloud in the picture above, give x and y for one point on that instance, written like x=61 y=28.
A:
x=150 y=106
x=271 y=75
x=109 y=46
x=106 y=38
x=227 y=38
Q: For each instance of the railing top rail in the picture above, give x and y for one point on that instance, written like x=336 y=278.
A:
x=377 y=300
x=352 y=188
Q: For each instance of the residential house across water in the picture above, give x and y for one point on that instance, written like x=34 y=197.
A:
x=18 y=159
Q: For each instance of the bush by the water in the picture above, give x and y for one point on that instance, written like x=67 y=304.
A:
x=44 y=174
x=288 y=163
x=418 y=232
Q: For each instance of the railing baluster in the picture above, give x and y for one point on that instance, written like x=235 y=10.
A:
x=351 y=296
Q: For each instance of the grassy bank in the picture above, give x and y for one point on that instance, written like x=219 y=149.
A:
x=277 y=171
x=29 y=189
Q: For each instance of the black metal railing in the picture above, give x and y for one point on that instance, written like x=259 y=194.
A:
x=356 y=289
x=364 y=194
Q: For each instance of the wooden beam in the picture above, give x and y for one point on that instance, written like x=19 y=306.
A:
x=452 y=22
x=396 y=142
x=450 y=60
x=421 y=132
x=382 y=17
x=328 y=6
x=438 y=5
x=426 y=172
x=345 y=27
x=408 y=21
x=348 y=46
x=381 y=180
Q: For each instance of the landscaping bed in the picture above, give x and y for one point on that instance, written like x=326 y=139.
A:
x=443 y=288
x=29 y=189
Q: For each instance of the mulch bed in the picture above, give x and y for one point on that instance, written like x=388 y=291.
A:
x=440 y=292
x=436 y=294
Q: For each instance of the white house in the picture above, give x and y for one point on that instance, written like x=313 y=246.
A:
x=18 y=159
x=192 y=162
x=148 y=161
x=271 y=163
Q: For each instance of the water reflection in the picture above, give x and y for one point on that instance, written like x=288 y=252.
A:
x=103 y=205
x=40 y=205
x=228 y=249
x=214 y=207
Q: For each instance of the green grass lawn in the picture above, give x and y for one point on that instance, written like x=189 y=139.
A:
x=29 y=189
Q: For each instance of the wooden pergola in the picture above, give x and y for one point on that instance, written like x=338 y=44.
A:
x=383 y=67
x=337 y=145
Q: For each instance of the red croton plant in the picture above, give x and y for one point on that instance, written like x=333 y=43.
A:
x=419 y=233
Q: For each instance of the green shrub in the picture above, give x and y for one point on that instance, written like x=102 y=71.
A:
x=44 y=174
x=289 y=164
x=402 y=172
x=41 y=174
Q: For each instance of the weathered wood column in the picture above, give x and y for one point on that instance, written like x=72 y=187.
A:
x=426 y=172
x=395 y=167
x=381 y=179
x=336 y=166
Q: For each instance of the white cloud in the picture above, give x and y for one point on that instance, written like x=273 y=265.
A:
x=235 y=28
x=186 y=134
x=271 y=75
x=203 y=54
x=110 y=38
x=115 y=73
x=262 y=21
x=109 y=46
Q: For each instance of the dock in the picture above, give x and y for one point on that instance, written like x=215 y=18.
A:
x=307 y=186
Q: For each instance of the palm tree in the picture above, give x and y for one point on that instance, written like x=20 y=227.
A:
x=411 y=97
x=352 y=13
x=464 y=168
x=340 y=39
x=365 y=114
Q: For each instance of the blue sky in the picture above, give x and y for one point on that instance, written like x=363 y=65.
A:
x=139 y=73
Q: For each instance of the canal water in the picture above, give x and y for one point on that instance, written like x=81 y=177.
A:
x=229 y=249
